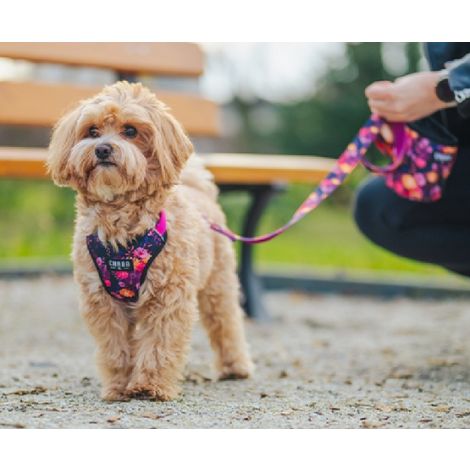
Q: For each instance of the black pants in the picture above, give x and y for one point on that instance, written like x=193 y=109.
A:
x=437 y=232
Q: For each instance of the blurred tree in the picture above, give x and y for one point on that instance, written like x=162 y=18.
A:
x=325 y=122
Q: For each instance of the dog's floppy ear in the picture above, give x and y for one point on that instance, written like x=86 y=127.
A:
x=172 y=146
x=62 y=140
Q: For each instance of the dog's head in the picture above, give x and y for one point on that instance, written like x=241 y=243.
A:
x=120 y=141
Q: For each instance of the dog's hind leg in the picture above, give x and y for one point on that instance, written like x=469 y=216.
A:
x=223 y=317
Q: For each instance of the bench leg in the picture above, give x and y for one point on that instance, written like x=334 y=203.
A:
x=251 y=286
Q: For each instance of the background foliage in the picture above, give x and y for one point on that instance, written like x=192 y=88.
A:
x=37 y=218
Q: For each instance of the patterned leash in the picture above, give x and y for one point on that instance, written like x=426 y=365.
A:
x=346 y=163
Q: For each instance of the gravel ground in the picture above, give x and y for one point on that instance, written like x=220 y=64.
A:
x=322 y=362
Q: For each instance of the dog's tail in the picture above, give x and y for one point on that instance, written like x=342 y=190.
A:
x=196 y=176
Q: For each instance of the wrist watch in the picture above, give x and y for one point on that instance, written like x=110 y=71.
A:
x=443 y=90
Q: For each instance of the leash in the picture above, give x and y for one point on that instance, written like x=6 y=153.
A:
x=354 y=154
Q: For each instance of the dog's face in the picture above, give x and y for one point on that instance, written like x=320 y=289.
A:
x=121 y=141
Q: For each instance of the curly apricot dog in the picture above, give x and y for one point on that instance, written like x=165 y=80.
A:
x=144 y=257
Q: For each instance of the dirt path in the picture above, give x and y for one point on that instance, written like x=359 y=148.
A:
x=322 y=362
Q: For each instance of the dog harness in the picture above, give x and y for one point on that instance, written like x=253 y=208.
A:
x=123 y=272
x=422 y=156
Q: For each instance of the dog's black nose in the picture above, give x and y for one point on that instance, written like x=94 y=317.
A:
x=103 y=151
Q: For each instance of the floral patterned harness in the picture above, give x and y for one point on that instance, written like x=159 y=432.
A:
x=123 y=272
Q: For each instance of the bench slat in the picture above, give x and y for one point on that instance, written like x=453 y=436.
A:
x=180 y=59
x=41 y=104
x=18 y=162
x=22 y=162
x=264 y=169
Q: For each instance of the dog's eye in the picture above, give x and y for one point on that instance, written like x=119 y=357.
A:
x=130 y=131
x=93 y=132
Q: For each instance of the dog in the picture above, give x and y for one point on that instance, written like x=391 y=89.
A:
x=128 y=159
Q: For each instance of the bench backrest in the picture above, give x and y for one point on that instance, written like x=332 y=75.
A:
x=41 y=104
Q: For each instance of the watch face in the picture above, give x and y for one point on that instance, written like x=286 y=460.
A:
x=443 y=91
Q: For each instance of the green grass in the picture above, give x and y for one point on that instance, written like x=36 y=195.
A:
x=326 y=238
x=37 y=224
x=330 y=239
x=36 y=220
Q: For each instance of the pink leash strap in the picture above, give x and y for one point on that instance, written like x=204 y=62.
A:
x=348 y=160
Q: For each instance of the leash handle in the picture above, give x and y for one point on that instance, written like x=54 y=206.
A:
x=346 y=163
x=396 y=149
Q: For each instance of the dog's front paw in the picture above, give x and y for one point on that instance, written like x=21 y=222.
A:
x=236 y=370
x=114 y=394
x=144 y=391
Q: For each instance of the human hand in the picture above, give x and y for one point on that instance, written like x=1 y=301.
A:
x=407 y=99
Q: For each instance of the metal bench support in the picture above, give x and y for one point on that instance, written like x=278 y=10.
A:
x=251 y=284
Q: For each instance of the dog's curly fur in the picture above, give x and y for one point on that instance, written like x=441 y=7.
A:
x=142 y=348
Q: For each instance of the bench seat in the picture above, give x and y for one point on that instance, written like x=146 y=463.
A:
x=26 y=162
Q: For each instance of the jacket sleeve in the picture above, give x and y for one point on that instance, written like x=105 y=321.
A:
x=459 y=81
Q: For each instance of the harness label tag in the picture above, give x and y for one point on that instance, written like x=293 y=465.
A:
x=121 y=265
x=442 y=157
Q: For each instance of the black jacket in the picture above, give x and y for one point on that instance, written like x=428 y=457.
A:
x=455 y=57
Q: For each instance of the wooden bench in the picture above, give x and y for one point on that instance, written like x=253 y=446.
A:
x=41 y=104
